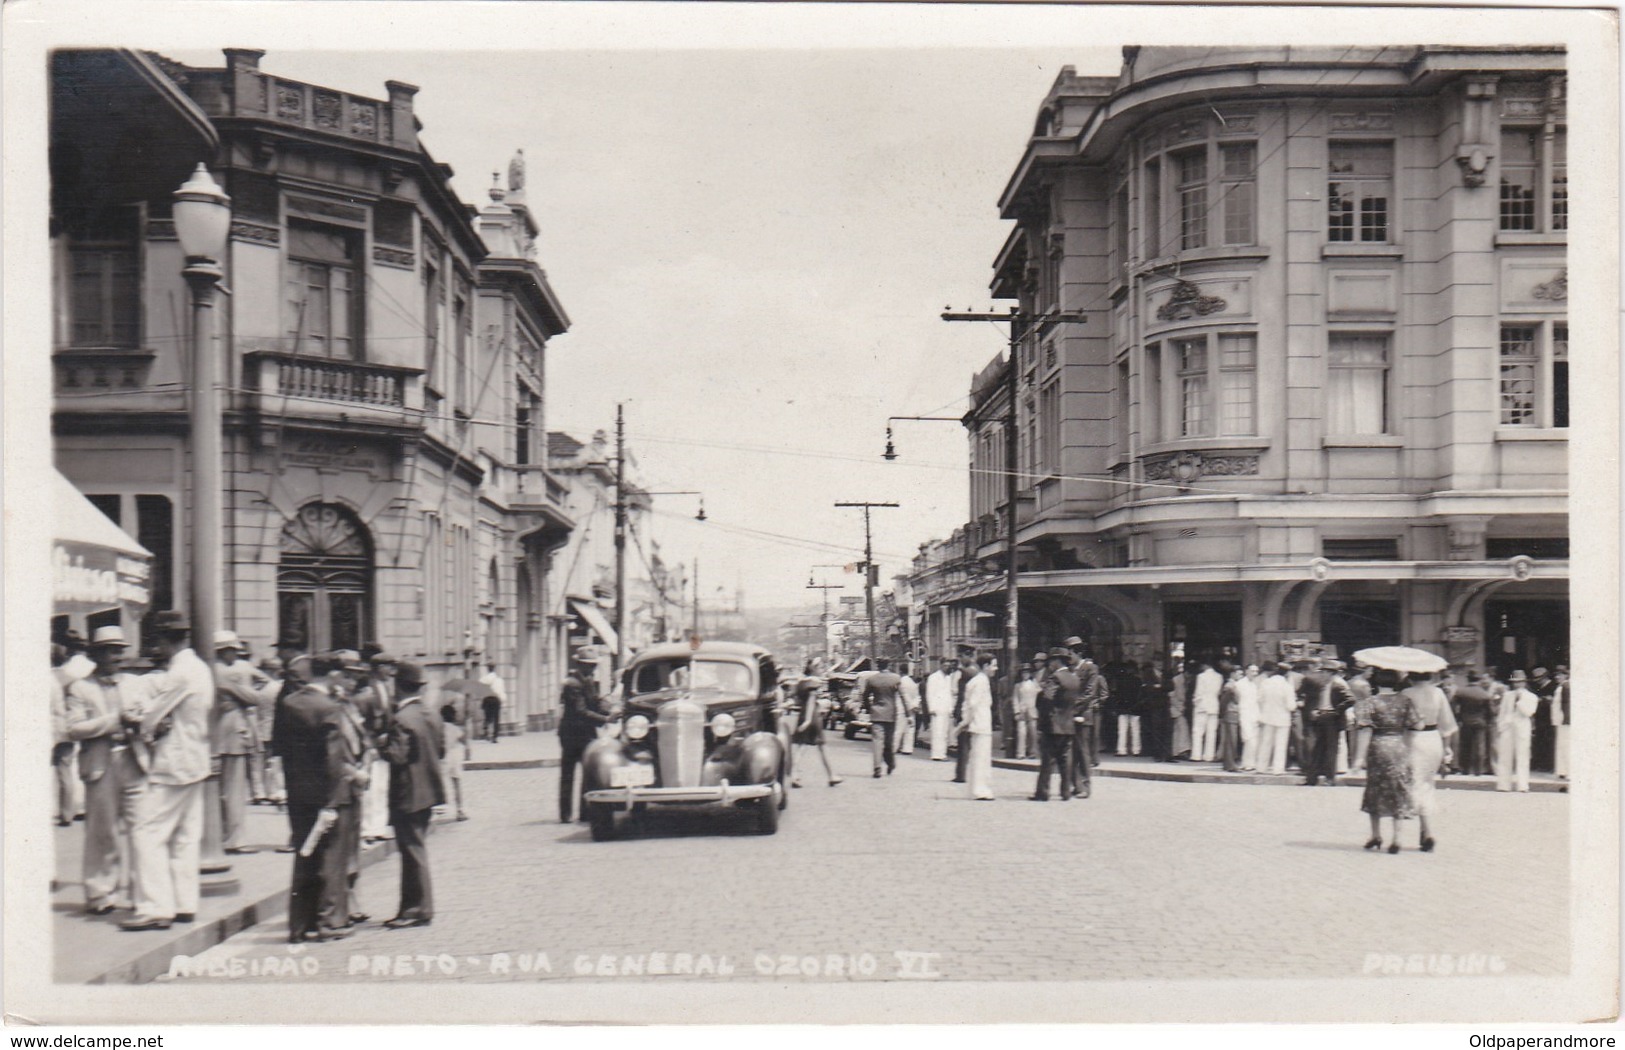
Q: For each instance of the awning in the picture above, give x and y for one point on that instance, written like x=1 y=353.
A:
x=95 y=565
x=600 y=626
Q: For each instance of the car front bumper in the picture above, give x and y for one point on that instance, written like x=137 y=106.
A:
x=723 y=794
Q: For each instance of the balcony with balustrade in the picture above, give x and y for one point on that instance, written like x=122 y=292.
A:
x=325 y=393
x=539 y=499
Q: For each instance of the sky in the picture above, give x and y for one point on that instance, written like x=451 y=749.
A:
x=754 y=248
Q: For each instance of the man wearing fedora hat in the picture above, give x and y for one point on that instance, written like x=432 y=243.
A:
x=415 y=744
x=238 y=687
x=581 y=713
x=100 y=707
x=1057 y=707
x=168 y=832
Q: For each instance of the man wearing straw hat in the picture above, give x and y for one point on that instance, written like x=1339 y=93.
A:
x=235 y=732
x=100 y=708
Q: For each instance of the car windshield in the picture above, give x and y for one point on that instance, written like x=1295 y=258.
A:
x=701 y=674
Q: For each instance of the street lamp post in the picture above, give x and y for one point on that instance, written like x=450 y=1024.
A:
x=202 y=214
x=1022 y=324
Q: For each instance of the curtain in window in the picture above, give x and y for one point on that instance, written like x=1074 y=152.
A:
x=1357 y=385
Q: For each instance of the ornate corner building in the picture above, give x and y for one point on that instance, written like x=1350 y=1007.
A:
x=1321 y=393
x=384 y=354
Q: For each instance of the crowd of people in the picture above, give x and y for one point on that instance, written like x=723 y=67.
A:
x=1301 y=714
x=343 y=742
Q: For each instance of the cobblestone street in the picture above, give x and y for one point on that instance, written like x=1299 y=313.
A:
x=1144 y=880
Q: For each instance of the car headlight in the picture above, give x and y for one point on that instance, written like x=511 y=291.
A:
x=637 y=727
x=722 y=725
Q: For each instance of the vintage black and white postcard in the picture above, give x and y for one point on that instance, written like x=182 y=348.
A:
x=421 y=422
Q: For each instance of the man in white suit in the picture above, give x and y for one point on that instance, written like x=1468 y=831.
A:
x=1514 y=726
x=168 y=831
x=100 y=708
x=941 y=693
x=907 y=717
x=1205 y=714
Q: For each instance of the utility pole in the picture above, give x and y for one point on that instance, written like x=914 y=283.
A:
x=620 y=538
x=695 y=633
x=1022 y=325
x=868 y=568
x=823 y=620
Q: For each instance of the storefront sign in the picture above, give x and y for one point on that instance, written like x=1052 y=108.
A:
x=319 y=453
x=90 y=579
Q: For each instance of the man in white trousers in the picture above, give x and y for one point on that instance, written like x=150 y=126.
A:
x=976 y=722
x=1514 y=725
x=376 y=702
x=1275 y=704
x=1205 y=714
x=909 y=690
x=941 y=693
x=168 y=830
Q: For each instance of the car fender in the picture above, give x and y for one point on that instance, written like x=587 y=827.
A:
x=600 y=757
x=762 y=758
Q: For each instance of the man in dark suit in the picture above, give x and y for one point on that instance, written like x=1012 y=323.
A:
x=1092 y=697
x=881 y=696
x=308 y=737
x=581 y=714
x=1323 y=700
x=417 y=742
x=1057 y=707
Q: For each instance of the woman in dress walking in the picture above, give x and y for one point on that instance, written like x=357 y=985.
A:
x=1384 y=751
x=809 y=731
x=1431 y=748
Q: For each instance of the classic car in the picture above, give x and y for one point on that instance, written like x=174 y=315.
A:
x=699 y=726
x=847 y=712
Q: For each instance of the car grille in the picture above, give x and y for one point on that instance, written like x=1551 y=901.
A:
x=681 y=726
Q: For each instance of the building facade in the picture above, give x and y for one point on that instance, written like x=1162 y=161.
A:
x=384 y=379
x=1320 y=396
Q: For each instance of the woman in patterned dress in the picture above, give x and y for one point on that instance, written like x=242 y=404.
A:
x=1384 y=751
x=1431 y=748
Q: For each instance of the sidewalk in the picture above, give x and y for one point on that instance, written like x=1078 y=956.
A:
x=1187 y=772
x=93 y=950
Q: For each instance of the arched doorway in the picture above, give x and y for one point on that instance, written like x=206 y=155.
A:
x=324 y=580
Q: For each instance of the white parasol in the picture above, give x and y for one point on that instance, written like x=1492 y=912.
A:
x=1402 y=658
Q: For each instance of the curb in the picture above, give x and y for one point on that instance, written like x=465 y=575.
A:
x=512 y=763
x=1264 y=779
x=149 y=966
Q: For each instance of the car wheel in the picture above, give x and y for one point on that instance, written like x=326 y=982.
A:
x=601 y=815
x=767 y=817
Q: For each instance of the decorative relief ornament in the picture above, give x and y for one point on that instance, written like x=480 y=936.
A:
x=1187 y=301
x=255 y=233
x=1521 y=567
x=394 y=257
x=1374 y=120
x=1555 y=290
x=1221 y=466
x=1186 y=467
x=1474 y=161
x=1320 y=569
x=364 y=119
x=326 y=108
x=290 y=102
